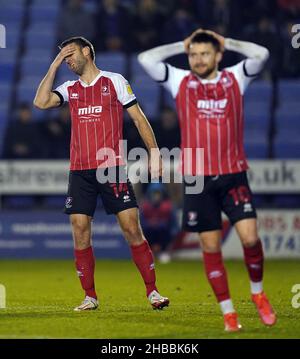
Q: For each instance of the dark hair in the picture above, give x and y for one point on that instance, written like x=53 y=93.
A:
x=206 y=38
x=82 y=42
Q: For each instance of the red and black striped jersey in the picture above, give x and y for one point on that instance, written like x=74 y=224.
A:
x=97 y=119
x=211 y=117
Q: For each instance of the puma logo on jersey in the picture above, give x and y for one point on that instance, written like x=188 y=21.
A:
x=212 y=106
x=90 y=110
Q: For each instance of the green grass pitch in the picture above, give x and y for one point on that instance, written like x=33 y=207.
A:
x=41 y=296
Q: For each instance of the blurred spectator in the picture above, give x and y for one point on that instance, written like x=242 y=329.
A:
x=57 y=135
x=22 y=139
x=147 y=21
x=221 y=13
x=114 y=28
x=167 y=129
x=158 y=220
x=179 y=26
x=76 y=21
x=290 y=8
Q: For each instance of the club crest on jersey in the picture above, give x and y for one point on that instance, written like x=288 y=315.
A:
x=227 y=81
x=192 y=216
x=105 y=90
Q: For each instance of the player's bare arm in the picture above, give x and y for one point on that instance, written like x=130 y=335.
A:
x=147 y=135
x=44 y=97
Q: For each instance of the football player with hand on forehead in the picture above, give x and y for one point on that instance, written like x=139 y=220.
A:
x=97 y=101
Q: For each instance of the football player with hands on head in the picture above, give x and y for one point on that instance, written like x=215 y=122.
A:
x=209 y=104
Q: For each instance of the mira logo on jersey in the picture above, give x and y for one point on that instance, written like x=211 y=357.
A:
x=212 y=107
x=90 y=113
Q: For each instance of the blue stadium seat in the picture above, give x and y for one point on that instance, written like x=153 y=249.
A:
x=8 y=56
x=289 y=122
x=26 y=89
x=5 y=92
x=256 y=108
x=256 y=144
x=13 y=3
x=289 y=90
x=12 y=39
x=40 y=40
x=255 y=122
x=10 y=13
x=42 y=2
x=259 y=90
x=112 y=61
x=287 y=108
x=44 y=12
x=287 y=144
x=256 y=150
x=42 y=27
x=7 y=72
x=45 y=55
x=4 y=107
x=33 y=67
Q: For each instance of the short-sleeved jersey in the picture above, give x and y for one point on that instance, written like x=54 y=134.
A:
x=97 y=119
x=211 y=117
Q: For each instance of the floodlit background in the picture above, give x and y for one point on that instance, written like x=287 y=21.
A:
x=34 y=145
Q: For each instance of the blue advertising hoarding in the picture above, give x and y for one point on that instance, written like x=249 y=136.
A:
x=47 y=234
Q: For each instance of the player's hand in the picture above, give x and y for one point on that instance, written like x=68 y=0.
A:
x=187 y=41
x=155 y=164
x=63 y=54
x=220 y=38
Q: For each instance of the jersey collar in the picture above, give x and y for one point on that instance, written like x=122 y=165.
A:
x=93 y=82
x=212 y=81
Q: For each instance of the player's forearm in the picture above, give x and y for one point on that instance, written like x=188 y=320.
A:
x=147 y=135
x=152 y=60
x=256 y=55
x=44 y=90
x=248 y=49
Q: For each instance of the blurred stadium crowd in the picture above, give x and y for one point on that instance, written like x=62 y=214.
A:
x=120 y=30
